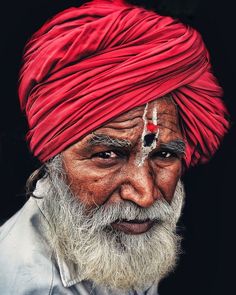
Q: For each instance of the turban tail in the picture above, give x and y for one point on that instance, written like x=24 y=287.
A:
x=90 y=64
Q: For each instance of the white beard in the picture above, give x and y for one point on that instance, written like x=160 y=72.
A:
x=103 y=255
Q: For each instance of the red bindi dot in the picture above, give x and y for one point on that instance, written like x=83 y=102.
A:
x=151 y=127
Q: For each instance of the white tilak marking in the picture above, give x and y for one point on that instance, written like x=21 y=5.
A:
x=154 y=116
x=144 y=123
x=145 y=150
x=154 y=121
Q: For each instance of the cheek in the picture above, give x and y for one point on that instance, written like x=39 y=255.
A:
x=167 y=179
x=90 y=187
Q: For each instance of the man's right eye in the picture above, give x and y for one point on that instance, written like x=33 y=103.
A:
x=106 y=155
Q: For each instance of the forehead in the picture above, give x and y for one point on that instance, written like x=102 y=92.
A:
x=130 y=125
x=163 y=109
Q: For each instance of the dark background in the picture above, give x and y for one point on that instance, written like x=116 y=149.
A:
x=208 y=225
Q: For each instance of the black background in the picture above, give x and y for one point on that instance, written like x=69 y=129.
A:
x=208 y=221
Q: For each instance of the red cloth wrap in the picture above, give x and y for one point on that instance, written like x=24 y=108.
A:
x=90 y=64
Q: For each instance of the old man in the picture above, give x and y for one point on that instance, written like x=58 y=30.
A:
x=120 y=101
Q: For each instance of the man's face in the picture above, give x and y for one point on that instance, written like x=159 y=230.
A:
x=116 y=220
x=136 y=157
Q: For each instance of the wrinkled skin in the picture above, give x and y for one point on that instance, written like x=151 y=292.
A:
x=100 y=174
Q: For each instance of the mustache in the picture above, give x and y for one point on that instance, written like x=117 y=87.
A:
x=105 y=215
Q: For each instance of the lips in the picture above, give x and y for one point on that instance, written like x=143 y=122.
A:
x=133 y=227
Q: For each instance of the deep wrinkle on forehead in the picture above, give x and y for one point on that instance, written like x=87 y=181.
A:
x=165 y=116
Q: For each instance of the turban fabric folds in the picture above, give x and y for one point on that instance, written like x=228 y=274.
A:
x=87 y=65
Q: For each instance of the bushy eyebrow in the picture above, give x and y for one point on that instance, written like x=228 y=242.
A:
x=103 y=139
x=175 y=146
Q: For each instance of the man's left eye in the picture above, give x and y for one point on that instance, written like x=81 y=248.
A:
x=164 y=155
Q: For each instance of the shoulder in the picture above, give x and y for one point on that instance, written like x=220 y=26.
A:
x=26 y=259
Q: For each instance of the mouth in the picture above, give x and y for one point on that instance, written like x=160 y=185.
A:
x=133 y=227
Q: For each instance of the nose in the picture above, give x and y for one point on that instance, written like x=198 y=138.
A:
x=140 y=186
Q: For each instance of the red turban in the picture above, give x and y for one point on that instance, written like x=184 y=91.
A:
x=90 y=64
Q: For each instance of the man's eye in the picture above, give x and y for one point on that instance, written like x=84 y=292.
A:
x=165 y=155
x=105 y=155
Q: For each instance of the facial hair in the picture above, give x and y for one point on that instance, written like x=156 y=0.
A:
x=105 y=256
